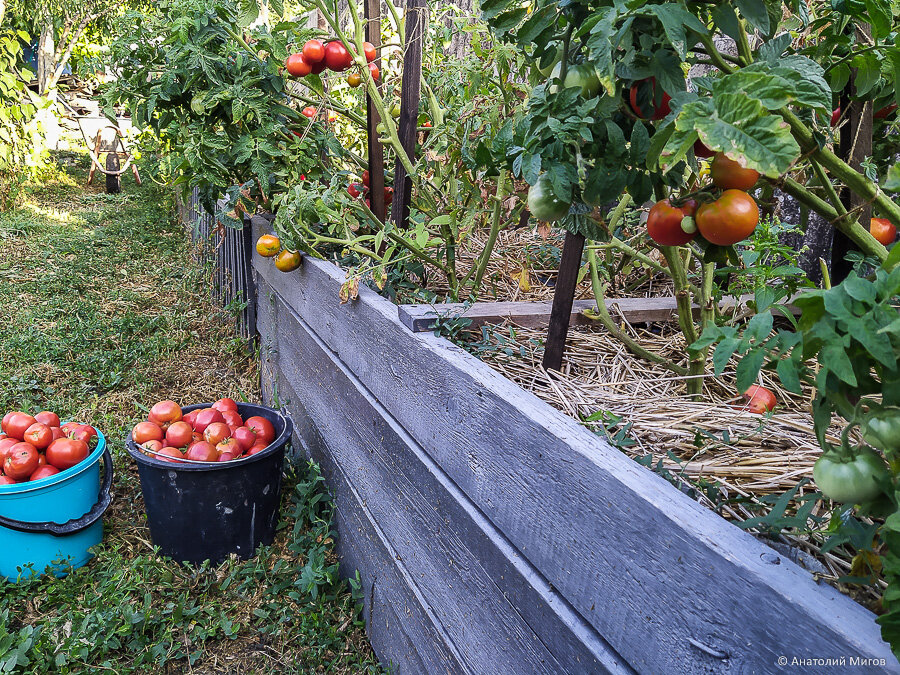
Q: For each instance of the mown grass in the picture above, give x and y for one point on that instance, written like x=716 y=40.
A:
x=104 y=312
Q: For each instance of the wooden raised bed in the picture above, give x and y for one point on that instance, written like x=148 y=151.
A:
x=493 y=534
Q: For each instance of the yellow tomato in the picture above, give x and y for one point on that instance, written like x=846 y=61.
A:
x=288 y=261
x=268 y=245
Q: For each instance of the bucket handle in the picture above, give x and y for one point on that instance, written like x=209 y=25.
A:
x=76 y=524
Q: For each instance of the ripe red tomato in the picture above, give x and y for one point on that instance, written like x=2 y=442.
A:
x=170 y=454
x=369 y=51
x=7 y=443
x=44 y=472
x=190 y=417
x=388 y=195
x=638 y=89
x=664 y=223
x=84 y=433
x=179 y=434
x=224 y=404
x=353 y=190
x=216 y=433
x=69 y=427
x=227 y=457
x=165 y=412
x=365 y=178
x=233 y=419
x=700 y=150
x=885 y=112
x=313 y=51
x=731 y=218
x=51 y=419
x=760 y=400
x=21 y=461
x=262 y=427
x=337 y=58
x=228 y=446
x=206 y=417
x=297 y=66
x=318 y=67
x=376 y=74
x=155 y=446
x=18 y=424
x=835 y=116
x=6 y=418
x=883 y=230
x=729 y=175
x=309 y=111
x=39 y=435
x=202 y=452
x=245 y=438
x=57 y=433
x=66 y=452
x=146 y=431
x=6 y=480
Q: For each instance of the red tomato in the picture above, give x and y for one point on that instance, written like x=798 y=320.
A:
x=227 y=457
x=69 y=427
x=51 y=419
x=659 y=112
x=146 y=431
x=373 y=69
x=388 y=195
x=318 y=67
x=170 y=454
x=885 y=112
x=259 y=447
x=297 y=66
x=6 y=480
x=731 y=218
x=66 y=452
x=6 y=418
x=190 y=417
x=224 y=404
x=313 y=51
x=835 y=116
x=44 y=472
x=337 y=58
x=202 y=452
x=39 y=435
x=8 y=443
x=42 y=459
x=262 y=427
x=233 y=418
x=353 y=190
x=57 y=433
x=206 y=417
x=84 y=433
x=155 y=446
x=196 y=437
x=700 y=150
x=760 y=400
x=729 y=175
x=228 y=446
x=165 y=412
x=18 y=424
x=179 y=434
x=883 y=230
x=664 y=223
x=21 y=461
x=309 y=111
x=245 y=438
x=365 y=178
x=369 y=51
x=216 y=433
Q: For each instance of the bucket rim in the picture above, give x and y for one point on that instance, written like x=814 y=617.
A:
x=276 y=445
x=61 y=477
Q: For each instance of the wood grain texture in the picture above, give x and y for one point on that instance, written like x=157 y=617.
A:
x=420 y=318
x=669 y=585
x=475 y=584
x=563 y=296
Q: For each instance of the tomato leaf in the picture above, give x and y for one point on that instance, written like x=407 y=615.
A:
x=756 y=12
x=677 y=22
x=880 y=15
x=749 y=367
x=726 y=18
x=249 y=12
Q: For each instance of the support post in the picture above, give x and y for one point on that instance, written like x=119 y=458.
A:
x=563 y=297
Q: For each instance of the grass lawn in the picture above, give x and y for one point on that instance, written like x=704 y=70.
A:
x=104 y=313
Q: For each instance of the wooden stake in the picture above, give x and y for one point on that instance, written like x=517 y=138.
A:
x=563 y=297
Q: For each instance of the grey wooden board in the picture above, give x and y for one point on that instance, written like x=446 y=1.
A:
x=459 y=561
x=420 y=318
x=669 y=584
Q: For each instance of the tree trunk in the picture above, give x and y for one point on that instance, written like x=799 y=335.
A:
x=46 y=58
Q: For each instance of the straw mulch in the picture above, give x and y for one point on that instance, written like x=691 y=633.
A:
x=759 y=456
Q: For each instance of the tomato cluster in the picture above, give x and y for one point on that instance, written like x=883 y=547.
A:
x=728 y=219
x=357 y=189
x=36 y=447
x=215 y=434
x=316 y=56
x=269 y=246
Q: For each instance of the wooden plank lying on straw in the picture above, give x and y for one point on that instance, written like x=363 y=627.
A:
x=421 y=318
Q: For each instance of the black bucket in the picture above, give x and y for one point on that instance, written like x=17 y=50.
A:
x=208 y=511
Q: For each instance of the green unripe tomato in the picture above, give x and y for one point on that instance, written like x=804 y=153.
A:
x=543 y=203
x=550 y=61
x=583 y=76
x=850 y=480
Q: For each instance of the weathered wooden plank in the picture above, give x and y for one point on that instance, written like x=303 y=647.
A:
x=620 y=544
x=399 y=626
x=420 y=318
x=476 y=597
x=563 y=296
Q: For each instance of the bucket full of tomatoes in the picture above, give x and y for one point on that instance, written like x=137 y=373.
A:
x=51 y=500
x=211 y=477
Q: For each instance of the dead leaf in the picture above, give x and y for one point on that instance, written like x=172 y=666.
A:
x=543 y=229
x=522 y=278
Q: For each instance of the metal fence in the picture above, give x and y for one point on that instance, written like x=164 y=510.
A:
x=228 y=254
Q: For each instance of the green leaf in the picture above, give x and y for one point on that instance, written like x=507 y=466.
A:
x=723 y=353
x=749 y=367
x=892 y=184
x=726 y=19
x=880 y=16
x=868 y=72
x=776 y=86
x=676 y=22
x=249 y=12
x=756 y=13
x=788 y=374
